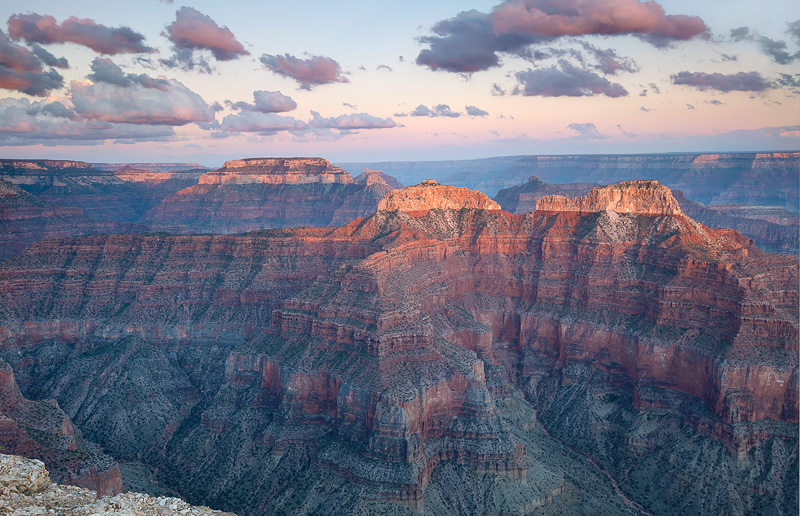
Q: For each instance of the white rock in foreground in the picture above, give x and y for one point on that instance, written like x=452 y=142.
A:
x=26 y=489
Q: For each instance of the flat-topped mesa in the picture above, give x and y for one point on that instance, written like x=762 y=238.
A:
x=291 y=171
x=634 y=197
x=429 y=195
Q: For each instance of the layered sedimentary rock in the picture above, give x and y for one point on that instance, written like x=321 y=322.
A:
x=386 y=352
x=522 y=198
x=761 y=179
x=283 y=171
x=41 y=430
x=374 y=176
x=772 y=228
x=100 y=194
x=252 y=194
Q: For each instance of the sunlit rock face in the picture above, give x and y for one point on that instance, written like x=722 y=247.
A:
x=290 y=171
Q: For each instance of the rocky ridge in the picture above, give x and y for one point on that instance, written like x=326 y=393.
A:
x=25 y=488
x=384 y=352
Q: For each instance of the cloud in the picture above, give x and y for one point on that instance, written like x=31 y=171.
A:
x=266 y=102
x=787 y=81
x=186 y=59
x=438 y=110
x=742 y=81
x=136 y=103
x=352 y=122
x=22 y=70
x=497 y=91
x=690 y=107
x=105 y=70
x=777 y=50
x=256 y=122
x=49 y=59
x=646 y=110
x=566 y=81
x=309 y=72
x=384 y=68
x=52 y=123
x=35 y=28
x=475 y=111
x=587 y=131
x=471 y=40
x=193 y=30
x=608 y=62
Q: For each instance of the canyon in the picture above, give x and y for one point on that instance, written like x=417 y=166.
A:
x=433 y=340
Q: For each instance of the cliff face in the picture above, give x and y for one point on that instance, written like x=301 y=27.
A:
x=386 y=351
x=41 y=430
x=772 y=228
x=750 y=178
x=291 y=171
x=42 y=199
x=252 y=194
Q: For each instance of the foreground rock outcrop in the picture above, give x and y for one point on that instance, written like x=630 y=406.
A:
x=25 y=488
x=377 y=363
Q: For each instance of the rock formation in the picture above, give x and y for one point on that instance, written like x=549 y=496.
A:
x=522 y=198
x=41 y=430
x=750 y=178
x=25 y=488
x=259 y=193
x=378 y=362
x=771 y=228
x=276 y=171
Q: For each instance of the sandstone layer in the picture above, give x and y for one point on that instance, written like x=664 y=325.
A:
x=385 y=353
x=291 y=171
x=772 y=228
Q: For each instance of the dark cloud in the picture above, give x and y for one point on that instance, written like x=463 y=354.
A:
x=351 y=106
x=309 y=72
x=22 y=70
x=716 y=102
x=475 y=111
x=264 y=123
x=193 y=30
x=444 y=110
x=384 y=68
x=105 y=70
x=267 y=102
x=608 y=62
x=472 y=40
x=217 y=107
x=52 y=123
x=173 y=104
x=49 y=59
x=690 y=107
x=35 y=28
x=777 y=50
x=587 y=131
x=566 y=81
x=785 y=80
x=645 y=109
x=497 y=91
x=793 y=29
x=352 y=122
x=187 y=59
x=742 y=81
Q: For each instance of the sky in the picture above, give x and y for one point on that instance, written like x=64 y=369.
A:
x=386 y=80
